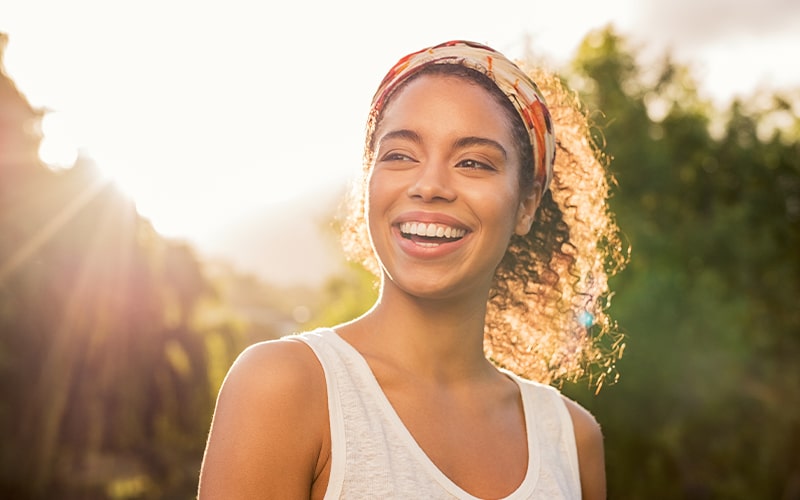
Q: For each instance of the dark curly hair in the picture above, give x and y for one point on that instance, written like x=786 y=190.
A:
x=546 y=317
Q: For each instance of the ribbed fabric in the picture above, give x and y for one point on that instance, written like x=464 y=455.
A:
x=374 y=456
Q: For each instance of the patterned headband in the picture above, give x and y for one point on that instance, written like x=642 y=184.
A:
x=509 y=78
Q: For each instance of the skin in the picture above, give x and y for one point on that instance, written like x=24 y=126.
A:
x=445 y=154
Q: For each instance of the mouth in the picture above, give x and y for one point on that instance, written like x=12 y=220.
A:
x=430 y=235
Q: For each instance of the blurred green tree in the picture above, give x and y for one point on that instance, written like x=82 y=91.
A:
x=709 y=401
x=108 y=371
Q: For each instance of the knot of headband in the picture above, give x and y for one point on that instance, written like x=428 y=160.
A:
x=509 y=78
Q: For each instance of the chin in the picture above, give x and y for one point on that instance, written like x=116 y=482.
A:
x=434 y=288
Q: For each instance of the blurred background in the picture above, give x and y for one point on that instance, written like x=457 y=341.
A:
x=170 y=172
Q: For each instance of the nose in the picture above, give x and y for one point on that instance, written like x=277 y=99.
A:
x=432 y=183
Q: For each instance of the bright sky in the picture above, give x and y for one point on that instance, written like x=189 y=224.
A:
x=204 y=111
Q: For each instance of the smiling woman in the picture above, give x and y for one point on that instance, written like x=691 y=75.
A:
x=490 y=255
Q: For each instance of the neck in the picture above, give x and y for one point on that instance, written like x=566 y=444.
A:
x=440 y=339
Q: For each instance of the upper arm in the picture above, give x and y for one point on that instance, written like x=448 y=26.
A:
x=268 y=426
x=591 y=459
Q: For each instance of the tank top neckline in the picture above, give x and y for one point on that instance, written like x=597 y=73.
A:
x=364 y=371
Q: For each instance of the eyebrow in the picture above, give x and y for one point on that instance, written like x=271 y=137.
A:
x=463 y=142
x=400 y=134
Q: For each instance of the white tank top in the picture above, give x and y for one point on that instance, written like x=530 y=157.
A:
x=374 y=456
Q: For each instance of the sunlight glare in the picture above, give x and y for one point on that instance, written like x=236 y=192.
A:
x=58 y=149
x=141 y=184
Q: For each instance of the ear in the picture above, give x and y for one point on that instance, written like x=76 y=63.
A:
x=527 y=211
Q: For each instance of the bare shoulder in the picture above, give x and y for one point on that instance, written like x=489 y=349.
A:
x=269 y=427
x=586 y=427
x=271 y=366
x=591 y=455
x=281 y=374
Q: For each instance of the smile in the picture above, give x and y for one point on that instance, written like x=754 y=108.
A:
x=432 y=233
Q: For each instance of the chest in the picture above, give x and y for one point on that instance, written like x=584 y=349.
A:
x=480 y=446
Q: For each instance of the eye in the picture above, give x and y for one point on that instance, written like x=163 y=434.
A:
x=472 y=164
x=396 y=156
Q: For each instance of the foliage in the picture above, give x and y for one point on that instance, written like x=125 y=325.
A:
x=108 y=369
x=345 y=297
x=105 y=372
x=709 y=401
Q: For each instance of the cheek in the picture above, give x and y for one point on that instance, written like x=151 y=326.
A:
x=374 y=200
x=371 y=197
x=377 y=202
x=381 y=189
x=506 y=208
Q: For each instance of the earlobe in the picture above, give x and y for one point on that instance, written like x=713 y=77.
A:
x=524 y=222
x=525 y=213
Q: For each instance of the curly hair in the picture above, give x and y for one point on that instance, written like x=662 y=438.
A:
x=547 y=314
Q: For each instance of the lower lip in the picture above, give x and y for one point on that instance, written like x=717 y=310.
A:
x=427 y=250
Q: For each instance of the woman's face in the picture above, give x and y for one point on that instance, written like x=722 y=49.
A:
x=443 y=197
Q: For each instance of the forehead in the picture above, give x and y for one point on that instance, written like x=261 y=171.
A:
x=437 y=101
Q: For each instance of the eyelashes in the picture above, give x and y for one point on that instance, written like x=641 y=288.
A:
x=395 y=156
x=467 y=163
x=473 y=164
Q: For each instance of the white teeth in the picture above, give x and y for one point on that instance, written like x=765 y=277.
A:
x=431 y=230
